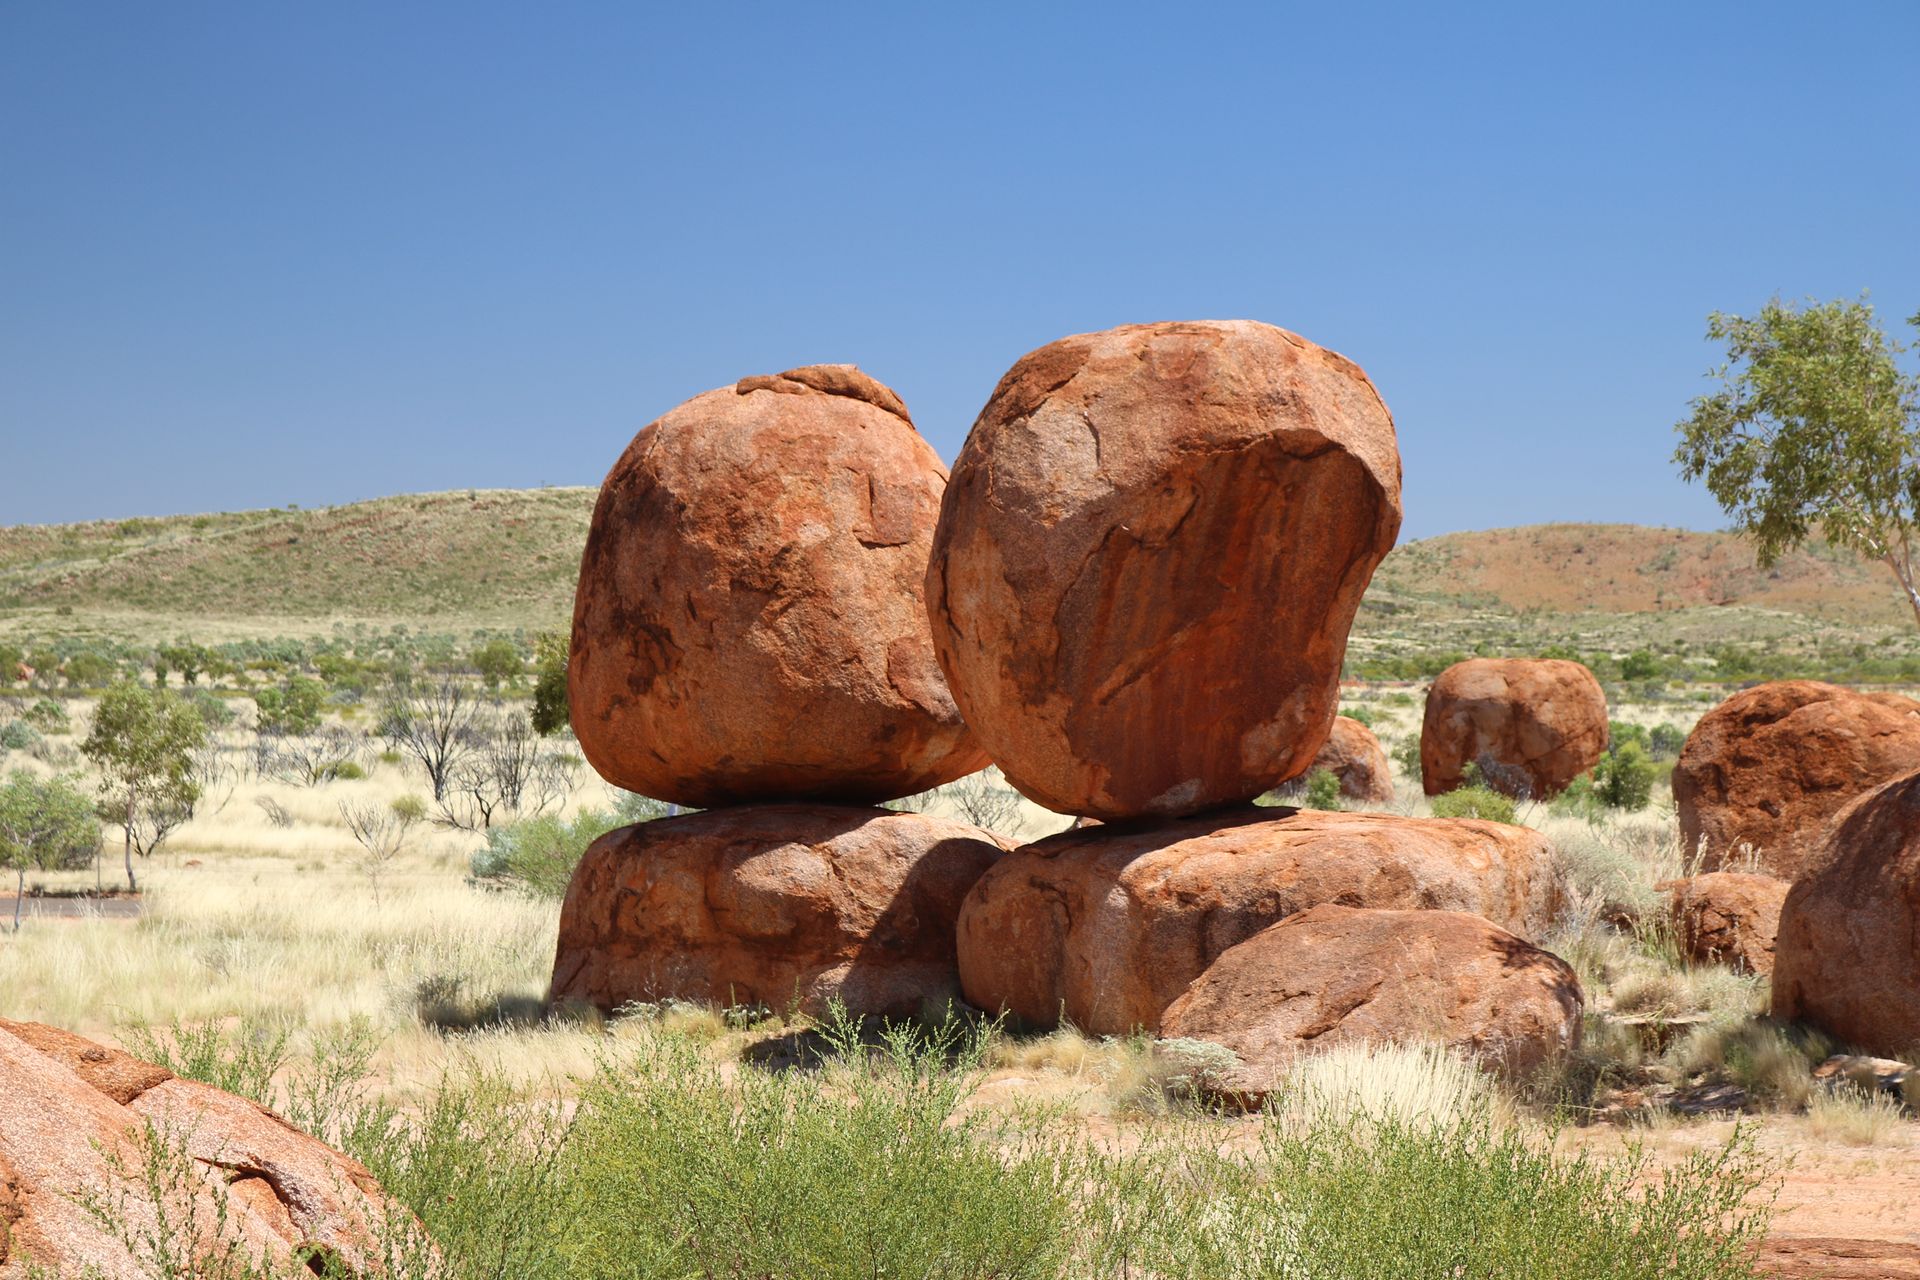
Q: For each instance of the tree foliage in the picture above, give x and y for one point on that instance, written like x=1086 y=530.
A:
x=1815 y=428
x=144 y=742
x=550 y=708
x=44 y=824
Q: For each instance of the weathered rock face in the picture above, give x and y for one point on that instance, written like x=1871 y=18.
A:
x=1353 y=755
x=777 y=905
x=1728 y=917
x=750 y=622
x=1149 y=558
x=1766 y=770
x=69 y=1108
x=1106 y=926
x=1335 y=975
x=1847 y=957
x=1532 y=724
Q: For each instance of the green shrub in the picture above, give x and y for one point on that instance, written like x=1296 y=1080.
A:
x=1322 y=791
x=1624 y=778
x=347 y=771
x=1407 y=755
x=18 y=735
x=1474 y=802
x=48 y=716
x=294 y=708
x=1665 y=741
x=498 y=662
x=538 y=855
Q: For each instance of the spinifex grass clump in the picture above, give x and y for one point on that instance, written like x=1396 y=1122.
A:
x=878 y=1159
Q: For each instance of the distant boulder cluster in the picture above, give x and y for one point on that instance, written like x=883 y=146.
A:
x=1133 y=595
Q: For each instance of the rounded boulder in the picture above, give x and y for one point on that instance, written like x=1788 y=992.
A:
x=784 y=906
x=1106 y=926
x=1763 y=774
x=1338 y=975
x=750 y=623
x=1532 y=725
x=1149 y=558
x=1728 y=917
x=1847 y=957
x=1354 y=755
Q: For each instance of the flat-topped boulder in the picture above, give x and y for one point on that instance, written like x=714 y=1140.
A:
x=786 y=906
x=750 y=623
x=1532 y=725
x=1763 y=774
x=1107 y=925
x=1339 y=975
x=1149 y=557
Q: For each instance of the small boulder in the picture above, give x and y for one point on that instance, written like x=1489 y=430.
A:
x=1763 y=774
x=1727 y=917
x=1106 y=926
x=1335 y=975
x=75 y=1120
x=1847 y=958
x=1533 y=725
x=1149 y=558
x=782 y=905
x=749 y=624
x=1354 y=755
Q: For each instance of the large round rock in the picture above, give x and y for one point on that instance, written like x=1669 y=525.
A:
x=1727 y=917
x=1847 y=957
x=750 y=622
x=1149 y=558
x=1354 y=755
x=1337 y=975
x=1105 y=926
x=1764 y=772
x=1533 y=725
x=787 y=906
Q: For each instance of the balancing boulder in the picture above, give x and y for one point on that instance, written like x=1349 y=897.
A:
x=1149 y=558
x=1338 y=975
x=750 y=624
x=1532 y=725
x=80 y=1119
x=1106 y=926
x=781 y=905
x=1847 y=957
x=1763 y=774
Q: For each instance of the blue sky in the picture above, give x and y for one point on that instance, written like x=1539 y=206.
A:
x=259 y=254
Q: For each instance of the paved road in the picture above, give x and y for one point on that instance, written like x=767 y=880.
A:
x=73 y=908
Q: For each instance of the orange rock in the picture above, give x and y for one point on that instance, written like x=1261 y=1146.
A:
x=1106 y=926
x=1533 y=725
x=781 y=905
x=750 y=624
x=1353 y=755
x=1728 y=917
x=1149 y=558
x=73 y=1120
x=1847 y=957
x=1766 y=770
x=1336 y=975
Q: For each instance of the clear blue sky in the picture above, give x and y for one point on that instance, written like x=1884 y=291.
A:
x=253 y=254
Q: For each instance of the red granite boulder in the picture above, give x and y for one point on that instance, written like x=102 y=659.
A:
x=1533 y=725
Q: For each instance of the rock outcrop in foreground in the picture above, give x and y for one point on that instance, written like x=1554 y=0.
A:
x=1764 y=772
x=1108 y=925
x=1149 y=558
x=749 y=624
x=1335 y=975
x=781 y=905
x=1533 y=725
x=236 y=1179
x=1847 y=957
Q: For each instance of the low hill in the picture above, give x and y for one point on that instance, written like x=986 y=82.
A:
x=503 y=558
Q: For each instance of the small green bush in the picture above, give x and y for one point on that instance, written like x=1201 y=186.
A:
x=1322 y=791
x=48 y=716
x=18 y=735
x=1474 y=802
x=1665 y=741
x=538 y=855
x=1624 y=778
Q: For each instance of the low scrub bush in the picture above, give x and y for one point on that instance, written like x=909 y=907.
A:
x=538 y=855
x=1474 y=802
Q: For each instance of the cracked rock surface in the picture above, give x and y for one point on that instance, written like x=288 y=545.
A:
x=233 y=1179
x=1107 y=926
x=750 y=623
x=781 y=905
x=1339 y=975
x=1149 y=558
x=1764 y=773
x=1533 y=725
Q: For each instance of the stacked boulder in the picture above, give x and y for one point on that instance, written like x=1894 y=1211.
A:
x=750 y=638
x=1147 y=563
